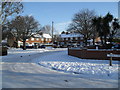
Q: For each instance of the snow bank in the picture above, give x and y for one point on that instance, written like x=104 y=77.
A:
x=87 y=69
x=20 y=52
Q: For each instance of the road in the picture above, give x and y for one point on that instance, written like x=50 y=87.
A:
x=25 y=72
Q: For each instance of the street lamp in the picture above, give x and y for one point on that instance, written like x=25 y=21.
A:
x=52 y=30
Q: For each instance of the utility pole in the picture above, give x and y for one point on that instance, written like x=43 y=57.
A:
x=52 y=30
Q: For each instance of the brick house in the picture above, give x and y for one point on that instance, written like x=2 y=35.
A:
x=37 y=39
x=71 y=39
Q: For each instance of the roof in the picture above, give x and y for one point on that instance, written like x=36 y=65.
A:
x=71 y=35
x=37 y=36
x=42 y=36
x=46 y=36
x=4 y=41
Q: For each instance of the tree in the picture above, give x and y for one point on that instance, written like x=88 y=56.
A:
x=24 y=27
x=6 y=33
x=82 y=23
x=46 y=29
x=63 y=32
x=94 y=29
x=97 y=24
x=102 y=25
x=106 y=26
x=8 y=9
x=115 y=29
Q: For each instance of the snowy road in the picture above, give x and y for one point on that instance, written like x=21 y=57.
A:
x=23 y=71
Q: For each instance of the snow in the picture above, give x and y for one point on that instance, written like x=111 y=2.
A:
x=4 y=41
x=70 y=35
x=46 y=36
x=20 y=52
x=87 y=69
x=53 y=68
x=37 y=35
x=60 y=61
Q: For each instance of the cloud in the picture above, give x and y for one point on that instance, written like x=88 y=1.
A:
x=30 y=15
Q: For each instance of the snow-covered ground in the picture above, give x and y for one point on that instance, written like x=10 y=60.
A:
x=17 y=52
x=53 y=68
x=95 y=70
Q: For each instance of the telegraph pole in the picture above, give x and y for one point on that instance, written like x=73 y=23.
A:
x=52 y=30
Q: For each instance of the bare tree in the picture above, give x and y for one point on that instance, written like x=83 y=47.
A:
x=8 y=9
x=82 y=23
x=24 y=27
x=46 y=29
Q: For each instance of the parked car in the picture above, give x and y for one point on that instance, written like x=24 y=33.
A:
x=116 y=46
x=42 y=46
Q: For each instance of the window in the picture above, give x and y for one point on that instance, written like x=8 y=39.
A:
x=76 y=38
x=32 y=39
x=71 y=38
x=37 y=39
x=49 y=39
x=42 y=39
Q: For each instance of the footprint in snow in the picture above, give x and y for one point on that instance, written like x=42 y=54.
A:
x=66 y=80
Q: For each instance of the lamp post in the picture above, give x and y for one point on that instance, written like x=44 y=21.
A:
x=52 y=31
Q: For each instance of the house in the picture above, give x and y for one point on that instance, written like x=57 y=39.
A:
x=71 y=39
x=37 y=39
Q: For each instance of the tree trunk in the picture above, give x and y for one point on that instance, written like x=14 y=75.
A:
x=16 y=43
x=24 y=45
x=93 y=41
x=105 y=40
x=101 y=40
x=111 y=39
x=85 y=41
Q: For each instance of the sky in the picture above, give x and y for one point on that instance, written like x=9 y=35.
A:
x=61 y=13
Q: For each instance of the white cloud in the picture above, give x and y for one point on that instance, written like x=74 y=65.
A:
x=30 y=15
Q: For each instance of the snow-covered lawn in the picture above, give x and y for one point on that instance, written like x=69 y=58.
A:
x=53 y=68
x=62 y=62
x=96 y=70
x=19 y=51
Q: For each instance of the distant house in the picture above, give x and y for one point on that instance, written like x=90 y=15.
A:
x=37 y=39
x=71 y=39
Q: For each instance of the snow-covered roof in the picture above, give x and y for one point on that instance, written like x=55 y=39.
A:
x=70 y=35
x=37 y=35
x=46 y=36
x=4 y=41
x=42 y=36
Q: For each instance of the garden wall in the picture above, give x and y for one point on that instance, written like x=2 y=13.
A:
x=93 y=54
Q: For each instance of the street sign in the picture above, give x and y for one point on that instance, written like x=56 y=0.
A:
x=113 y=55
